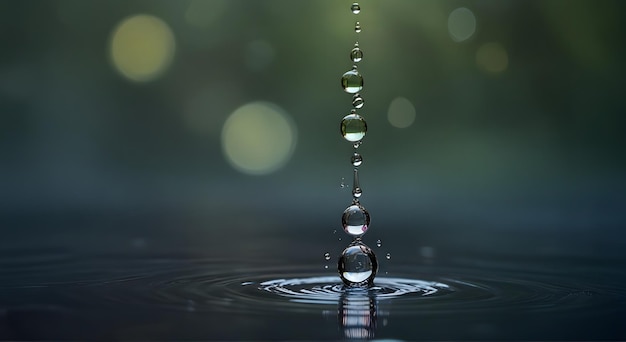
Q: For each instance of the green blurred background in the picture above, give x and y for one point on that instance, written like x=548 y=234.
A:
x=221 y=118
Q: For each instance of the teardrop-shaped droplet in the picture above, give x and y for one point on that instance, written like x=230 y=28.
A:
x=356 y=187
x=356 y=55
x=356 y=159
x=357 y=27
x=355 y=8
x=352 y=81
x=357 y=101
x=357 y=265
x=355 y=220
x=353 y=127
x=327 y=256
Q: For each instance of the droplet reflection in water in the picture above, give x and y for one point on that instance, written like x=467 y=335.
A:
x=357 y=265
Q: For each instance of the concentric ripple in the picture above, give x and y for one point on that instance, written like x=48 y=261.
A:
x=327 y=290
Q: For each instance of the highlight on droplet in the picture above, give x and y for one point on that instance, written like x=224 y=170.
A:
x=401 y=113
x=461 y=24
x=142 y=47
x=258 y=138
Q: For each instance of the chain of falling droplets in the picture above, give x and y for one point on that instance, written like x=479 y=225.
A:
x=357 y=265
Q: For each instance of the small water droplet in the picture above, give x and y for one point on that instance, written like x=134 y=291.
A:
x=388 y=256
x=357 y=27
x=355 y=220
x=356 y=159
x=335 y=231
x=326 y=266
x=357 y=144
x=379 y=243
x=357 y=192
x=352 y=82
x=357 y=101
x=327 y=256
x=355 y=8
x=353 y=127
x=356 y=55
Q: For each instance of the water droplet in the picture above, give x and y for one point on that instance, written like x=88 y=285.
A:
x=357 y=265
x=353 y=127
x=388 y=256
x=352 y=82
x=356 y=159
x=356 y=55
x=356 y=188
x=355 y=8
x=357 y=101
x=326 y=266
x=355 y=220
x=327 y=256
x=357 y=144
x=335 y=231
x=379 y=243
x=357 y=27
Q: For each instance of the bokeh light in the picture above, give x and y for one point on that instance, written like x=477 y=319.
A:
x=461 y=24
x=401 y=113
x=492 y=57
x=258 y=138
x=142 y=47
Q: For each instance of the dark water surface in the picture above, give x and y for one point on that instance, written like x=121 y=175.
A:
x=97 y=285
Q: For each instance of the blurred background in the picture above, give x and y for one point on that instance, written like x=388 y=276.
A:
x=213 y=125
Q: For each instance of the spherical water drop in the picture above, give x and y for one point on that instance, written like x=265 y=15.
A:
x=357 y=101
x=356 y=193
x=379 y=243
x=355 y=8
x=352 y=82
x=355 y=220
x=356 y=159
x=353 y=127
x=357 y=27
x=327 y=256
x=356 y=55
x=388 y=256
x=357 y=265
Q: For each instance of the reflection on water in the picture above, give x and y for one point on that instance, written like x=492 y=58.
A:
x=357 y=313
x=55 y=293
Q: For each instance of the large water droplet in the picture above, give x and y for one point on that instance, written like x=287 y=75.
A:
x=357 y=27
x=357 y=265
x=356 y=55
x=356 y=159
x=327 y=256
x=352 y=82
x=357 y=101
x=353 y=127
x=355 y=8
x=355 y=220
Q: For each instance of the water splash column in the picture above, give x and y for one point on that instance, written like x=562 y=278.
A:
x=357 y=264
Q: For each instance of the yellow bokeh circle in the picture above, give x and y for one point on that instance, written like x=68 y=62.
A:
x=142 y=47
